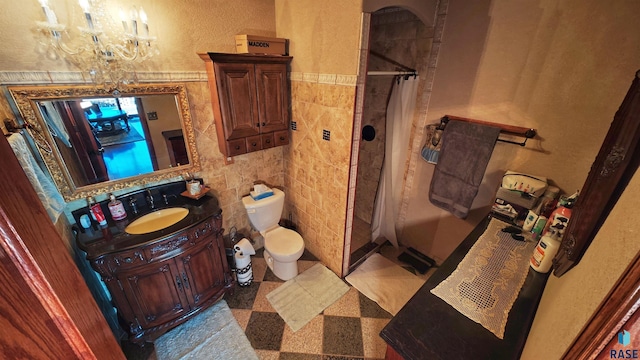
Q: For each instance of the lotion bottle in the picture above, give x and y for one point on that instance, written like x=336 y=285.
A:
x=116 y=208
x=547 y=248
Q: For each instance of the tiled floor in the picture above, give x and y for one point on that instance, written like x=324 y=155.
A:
x=348 y=329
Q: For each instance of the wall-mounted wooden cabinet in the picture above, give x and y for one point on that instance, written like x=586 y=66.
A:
x=250 y=98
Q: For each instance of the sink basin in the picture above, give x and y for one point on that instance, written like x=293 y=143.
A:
x=156 y=220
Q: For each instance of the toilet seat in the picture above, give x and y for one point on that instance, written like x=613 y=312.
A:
x=283 y=244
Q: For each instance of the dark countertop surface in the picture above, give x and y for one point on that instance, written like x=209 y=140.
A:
x=100 y=240
x=429 y=328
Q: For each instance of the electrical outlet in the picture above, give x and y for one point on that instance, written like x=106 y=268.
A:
x=152 y=115
x=326 y=135
x=294 y=125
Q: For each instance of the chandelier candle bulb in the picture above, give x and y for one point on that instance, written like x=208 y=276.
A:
x=123 y=18
x=134 y=21
x=84 y=4
x=48 y=13
x=143 y=18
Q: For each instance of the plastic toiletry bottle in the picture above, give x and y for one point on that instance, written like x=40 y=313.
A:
x=116 y=208
x=530 y=220
x=96 y=211
x=544 y=208
x=561 y=214
x=547 y=248
x=538 y=227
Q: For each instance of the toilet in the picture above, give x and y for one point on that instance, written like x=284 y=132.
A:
x=282 y=247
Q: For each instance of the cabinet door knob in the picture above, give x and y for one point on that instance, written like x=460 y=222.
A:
x=257 y=124
x=281 y=138
x=178 y=282
x=268 y=141
x=254 y=144
x=263 y=123
x=237 y=147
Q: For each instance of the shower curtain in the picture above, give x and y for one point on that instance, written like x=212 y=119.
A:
x=398 y=130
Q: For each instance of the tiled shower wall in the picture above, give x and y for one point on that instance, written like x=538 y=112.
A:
x=317 y=170
x=398 y=35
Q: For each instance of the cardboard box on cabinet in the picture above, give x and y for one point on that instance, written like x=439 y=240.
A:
x=251 y=44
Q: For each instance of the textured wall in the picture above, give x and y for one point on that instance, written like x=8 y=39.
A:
x=324 y=42
x=421 y=8
x=317 y=170
x=323 y=35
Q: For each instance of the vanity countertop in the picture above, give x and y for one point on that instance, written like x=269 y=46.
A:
x=429 y=328
x=100 y=240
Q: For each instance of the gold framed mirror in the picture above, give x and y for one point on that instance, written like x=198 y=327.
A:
x=93 y=142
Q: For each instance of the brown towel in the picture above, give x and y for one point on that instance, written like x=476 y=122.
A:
x=465 y=153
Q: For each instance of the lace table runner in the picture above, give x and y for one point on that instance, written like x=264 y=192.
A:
x=487 y=281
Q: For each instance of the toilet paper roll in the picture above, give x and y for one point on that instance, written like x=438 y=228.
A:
x=244 y=247
x=242 y=261
x=244 y=273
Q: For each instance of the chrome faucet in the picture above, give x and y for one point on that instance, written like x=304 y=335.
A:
x=150 y=199
x=166 y=197
x=133 y=204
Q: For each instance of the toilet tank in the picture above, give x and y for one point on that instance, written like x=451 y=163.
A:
x=264 y=213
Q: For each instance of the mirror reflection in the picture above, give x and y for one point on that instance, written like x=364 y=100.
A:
x=101 y=141
x=115 y=138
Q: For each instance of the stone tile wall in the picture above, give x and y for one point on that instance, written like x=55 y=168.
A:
x=229 y=183
x=317 y=170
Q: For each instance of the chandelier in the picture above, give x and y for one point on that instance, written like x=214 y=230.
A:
x=106 y=52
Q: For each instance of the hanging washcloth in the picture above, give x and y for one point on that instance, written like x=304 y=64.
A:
x=42 y=184
x=431 y=149
x=465 y=153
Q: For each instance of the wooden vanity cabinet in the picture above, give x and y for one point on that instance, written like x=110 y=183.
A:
x=250 y=99
x=160 y=285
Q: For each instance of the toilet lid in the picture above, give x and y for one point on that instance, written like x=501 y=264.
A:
x=281 y=241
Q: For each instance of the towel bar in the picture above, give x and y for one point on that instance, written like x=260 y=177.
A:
x=527 y=133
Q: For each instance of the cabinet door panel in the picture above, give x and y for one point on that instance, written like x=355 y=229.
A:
x=267 y=140
x=254 y=143
x=236 y=147
x=202 y=271
x=281 y=137
x=238 y=105
x=154 y=293
x=273 y=96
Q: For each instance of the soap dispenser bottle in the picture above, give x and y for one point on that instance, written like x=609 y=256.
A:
x=116 y=208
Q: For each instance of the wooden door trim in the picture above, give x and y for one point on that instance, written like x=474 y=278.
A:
x=16 y=251
x=616 y=309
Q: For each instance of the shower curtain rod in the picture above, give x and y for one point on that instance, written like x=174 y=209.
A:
x=392 y=73
x=398 y=65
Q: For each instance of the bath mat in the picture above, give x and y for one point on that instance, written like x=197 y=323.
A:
x=213 y=334
x=385 y=282
x=487 y=281
x=300 y=299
